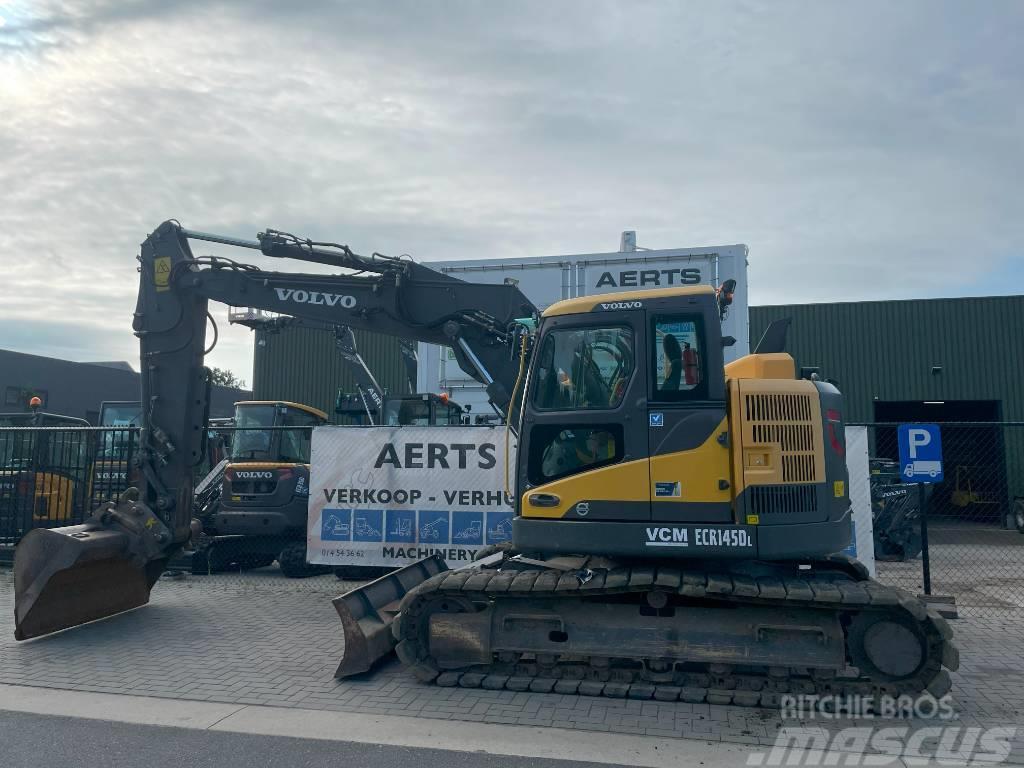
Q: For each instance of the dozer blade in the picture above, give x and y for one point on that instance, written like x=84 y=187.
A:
x=367 y=613
x=68 y=576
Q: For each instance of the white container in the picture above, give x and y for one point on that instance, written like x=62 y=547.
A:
x=547 y=279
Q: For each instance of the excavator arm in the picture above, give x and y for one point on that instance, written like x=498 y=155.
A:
x=72 y=575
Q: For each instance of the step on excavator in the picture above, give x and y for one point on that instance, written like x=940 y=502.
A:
x=676 y=520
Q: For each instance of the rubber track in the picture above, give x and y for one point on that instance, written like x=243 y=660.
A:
x=857 y=594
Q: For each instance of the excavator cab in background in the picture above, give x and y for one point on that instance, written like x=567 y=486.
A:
x=111 y=472
x=261 y=516
x=423 y=410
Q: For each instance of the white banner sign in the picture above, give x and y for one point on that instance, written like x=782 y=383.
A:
x=393 y=495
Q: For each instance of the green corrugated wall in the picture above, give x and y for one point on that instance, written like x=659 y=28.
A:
x=886 y=349
x=303 y=365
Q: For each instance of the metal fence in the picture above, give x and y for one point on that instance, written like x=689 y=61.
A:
x=57 y=476
x=974 y=524
x=54 y=476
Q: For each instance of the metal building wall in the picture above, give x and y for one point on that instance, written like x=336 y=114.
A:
x=303 y=365
x=885 y=350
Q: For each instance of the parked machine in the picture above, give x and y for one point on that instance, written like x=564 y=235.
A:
x=260 y=511
x=43 y=471
x=895 y=512
x=676 y=518
x=112 y=468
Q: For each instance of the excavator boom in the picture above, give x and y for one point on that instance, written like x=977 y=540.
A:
x=68 y=576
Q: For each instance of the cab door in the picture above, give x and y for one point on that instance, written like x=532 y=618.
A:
x=584 y=439
x=686 y=414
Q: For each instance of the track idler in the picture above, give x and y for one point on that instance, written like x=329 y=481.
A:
x=64 y=577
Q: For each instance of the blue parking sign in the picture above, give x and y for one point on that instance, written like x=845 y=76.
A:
x=920 y=447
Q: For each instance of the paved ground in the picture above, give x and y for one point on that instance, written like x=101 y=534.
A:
x=260 y=639
x=66 y=742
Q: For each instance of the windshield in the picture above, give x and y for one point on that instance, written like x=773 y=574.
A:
x=122 y=418
x=586 y=368
x=407 y=413
x=120 y=414
x=253 y=442
x=250 y=442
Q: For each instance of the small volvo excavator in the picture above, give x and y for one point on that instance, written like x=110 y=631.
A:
x=676 y=518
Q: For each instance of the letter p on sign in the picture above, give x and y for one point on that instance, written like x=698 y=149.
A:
x=918 y=438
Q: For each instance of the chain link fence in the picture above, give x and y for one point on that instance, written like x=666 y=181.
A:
x=54 y=476
x=252 y=494
x=975 y=516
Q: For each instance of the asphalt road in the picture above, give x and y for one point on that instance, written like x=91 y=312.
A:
x=39 y=741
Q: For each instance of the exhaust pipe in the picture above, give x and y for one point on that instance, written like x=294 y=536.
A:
x=65 y=577
x=367 y=613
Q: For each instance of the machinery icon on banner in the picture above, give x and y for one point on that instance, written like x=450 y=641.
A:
x=336 y=525
x=368 y=525
x=401 y=526
x=467 y=528
x=499 y=527
x=404 y=526
x=434 y=527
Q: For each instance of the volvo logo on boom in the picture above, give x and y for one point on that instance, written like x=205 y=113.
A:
x=300 y=296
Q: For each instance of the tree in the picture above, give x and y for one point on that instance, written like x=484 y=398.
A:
x=226 y=378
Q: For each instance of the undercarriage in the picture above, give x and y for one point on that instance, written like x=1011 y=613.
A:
x=745 y=634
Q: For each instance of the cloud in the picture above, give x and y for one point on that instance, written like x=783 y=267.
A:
x=861 y=151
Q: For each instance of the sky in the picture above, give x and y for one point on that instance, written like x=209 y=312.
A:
x=868 y=150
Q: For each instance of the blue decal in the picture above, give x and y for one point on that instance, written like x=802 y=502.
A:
x=657 y=419
x=467 y=528
x=401 y=526
x=368 y=525
x=667 y=489
x=336 y=525
x=499 y=527
x=433 y=527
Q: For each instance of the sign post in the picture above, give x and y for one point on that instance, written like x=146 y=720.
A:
x=920 y=448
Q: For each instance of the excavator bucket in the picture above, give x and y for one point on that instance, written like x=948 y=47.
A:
x=68 y=576
x=367 y=613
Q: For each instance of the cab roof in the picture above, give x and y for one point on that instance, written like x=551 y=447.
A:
x=589 y=303
x=307 y=408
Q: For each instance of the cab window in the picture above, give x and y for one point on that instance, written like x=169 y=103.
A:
x=583 y=368
x=677 y=358
x=295 y=443
x=558 y=451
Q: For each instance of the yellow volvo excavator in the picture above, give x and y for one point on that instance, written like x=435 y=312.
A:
x=676 y=518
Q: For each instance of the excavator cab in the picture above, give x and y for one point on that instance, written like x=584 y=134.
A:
x=634 y=425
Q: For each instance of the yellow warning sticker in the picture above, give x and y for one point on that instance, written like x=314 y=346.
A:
x=753 y=519
x=839 y=488
x=162 y=272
